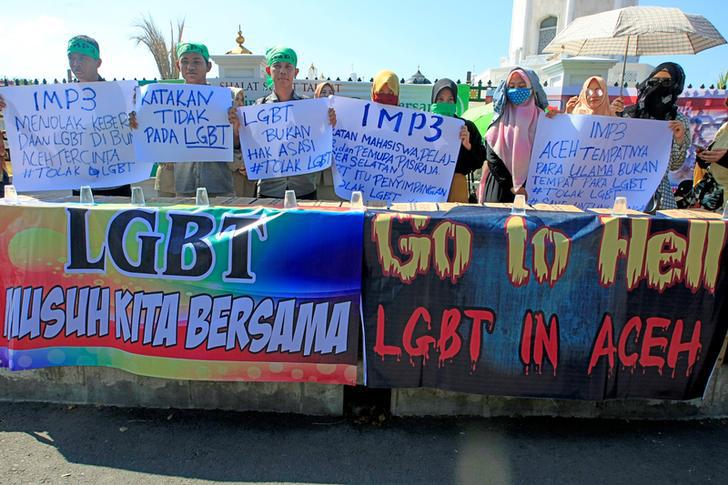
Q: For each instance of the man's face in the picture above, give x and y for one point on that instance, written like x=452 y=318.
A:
x=85 y=68
x=194 y=68
x=283 y=74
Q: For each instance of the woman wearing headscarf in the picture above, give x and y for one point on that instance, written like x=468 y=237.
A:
x=592 y=100
x=324 y=90
x=657 y=100
x=517 y=103
x=325 y=179
x=242 y=185
x=472 y=151
x=385 y=88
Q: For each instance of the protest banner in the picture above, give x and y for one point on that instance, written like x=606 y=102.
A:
x=285 y=139
x=587 y=161
x=393 y=154
x=214 y=294
x=558 y=305
x=183 y=123
x=63 y=136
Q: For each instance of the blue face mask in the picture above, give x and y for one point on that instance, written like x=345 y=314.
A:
x=518 y=95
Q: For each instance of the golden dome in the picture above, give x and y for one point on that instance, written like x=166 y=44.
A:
x=240 y=49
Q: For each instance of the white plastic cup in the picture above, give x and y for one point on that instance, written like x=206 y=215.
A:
x=725 y=211
x=620 y=207
x=201 y=198
x=289 y=200
x=357 y=201
x=86 y=197
x=519 y=205
x=137 y=196
x=11 y=194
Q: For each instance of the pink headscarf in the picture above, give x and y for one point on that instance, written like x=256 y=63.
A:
x=511 y=137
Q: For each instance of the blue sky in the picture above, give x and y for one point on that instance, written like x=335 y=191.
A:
x=444 y=39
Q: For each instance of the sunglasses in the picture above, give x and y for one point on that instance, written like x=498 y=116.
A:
x=660 y=81
x=592 y=92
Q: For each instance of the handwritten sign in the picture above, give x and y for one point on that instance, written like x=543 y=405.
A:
x=63 y=136
x=392 y=153
x=587 y=161
x=183 y=123
x=285 y=139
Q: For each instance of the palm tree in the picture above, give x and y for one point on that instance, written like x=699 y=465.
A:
x=723 y=80
x=152 y=37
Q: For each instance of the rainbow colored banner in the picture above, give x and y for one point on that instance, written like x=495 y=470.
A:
x=215 y=293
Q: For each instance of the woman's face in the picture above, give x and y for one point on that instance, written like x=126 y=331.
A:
x=327 y=91
x=445 y=96
x=594 y=94
x=662 y=78
x=516 y=81
x=385 y=89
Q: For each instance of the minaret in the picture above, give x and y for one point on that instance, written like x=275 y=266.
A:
x=519 y=21
x=569 y=13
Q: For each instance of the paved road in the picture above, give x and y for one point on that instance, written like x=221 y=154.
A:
x=56 y=444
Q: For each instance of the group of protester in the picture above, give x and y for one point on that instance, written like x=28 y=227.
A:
x=503 y=155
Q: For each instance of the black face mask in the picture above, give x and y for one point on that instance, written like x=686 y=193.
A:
x=658 y=98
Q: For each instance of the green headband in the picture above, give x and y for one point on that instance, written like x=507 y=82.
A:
x=281 y=54
x=81 y=46
x=200 y=49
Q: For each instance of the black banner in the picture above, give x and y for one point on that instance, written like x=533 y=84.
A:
x=561 y=305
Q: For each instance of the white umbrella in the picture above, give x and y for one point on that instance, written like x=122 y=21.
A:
x=636 y=31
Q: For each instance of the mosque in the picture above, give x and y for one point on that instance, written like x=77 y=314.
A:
x=535 y=23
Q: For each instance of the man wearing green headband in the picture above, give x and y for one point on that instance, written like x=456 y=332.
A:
x=281 y=67
x=193 y=61
x=84 y=58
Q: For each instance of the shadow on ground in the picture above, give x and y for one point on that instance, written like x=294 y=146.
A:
x=225 y=447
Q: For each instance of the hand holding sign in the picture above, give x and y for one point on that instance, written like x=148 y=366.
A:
x=465 y=138
x=677 y=128
x=617 y=105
